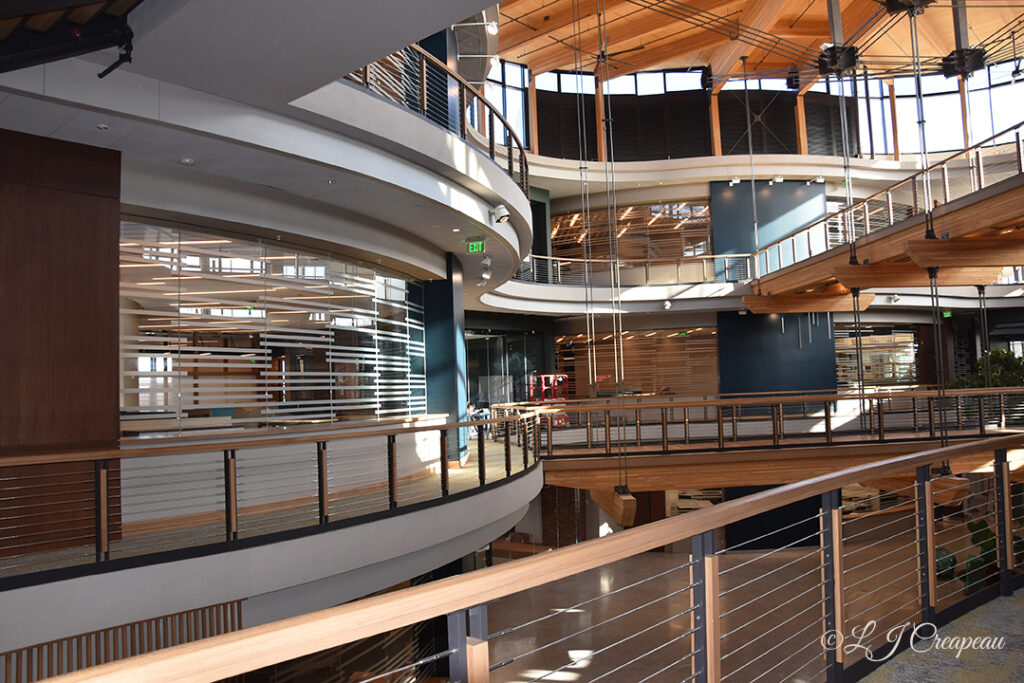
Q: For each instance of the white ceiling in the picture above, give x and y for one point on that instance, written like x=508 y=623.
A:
x=268 y=52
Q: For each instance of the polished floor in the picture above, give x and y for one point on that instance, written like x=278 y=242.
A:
x=632 y=621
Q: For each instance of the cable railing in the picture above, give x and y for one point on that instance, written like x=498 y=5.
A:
x=415 y=79
x=827 y=590
x=988 y=162
x=71 y=510
x=660 y=424
x=635 y=272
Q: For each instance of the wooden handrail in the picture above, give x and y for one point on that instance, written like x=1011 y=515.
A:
x=260 y=646
x=767 y=401
x=238 y=444
x=704 y=396
x=882 y=193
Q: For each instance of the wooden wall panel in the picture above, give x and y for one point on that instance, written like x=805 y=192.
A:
x=59 y=226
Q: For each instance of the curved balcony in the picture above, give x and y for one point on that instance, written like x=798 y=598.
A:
x=180 y=524
x=714 y=603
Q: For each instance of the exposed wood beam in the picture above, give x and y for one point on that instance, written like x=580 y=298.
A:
x=804 y=29
x=866 y=276
x=621 y=507
x=805 y=303
x=966 y=252
x=764 y=15
x=805 y=86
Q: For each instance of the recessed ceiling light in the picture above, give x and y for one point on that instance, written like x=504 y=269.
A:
x=330 y=181
x=188 y=161
x=456 y=230
x=102 y=126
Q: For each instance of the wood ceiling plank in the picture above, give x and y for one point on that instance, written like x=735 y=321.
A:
x=7 y=26
x=866 y=276
x=85 y=13
x=805 y=303
x=119 y=8
x=966 y=252
x=682 y=45
x=45 y=21
x=517 y=30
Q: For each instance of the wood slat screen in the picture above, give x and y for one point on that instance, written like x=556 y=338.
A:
x=81 y=651
x=664 y=361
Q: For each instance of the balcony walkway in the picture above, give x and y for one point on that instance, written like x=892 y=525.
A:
x=187 y=531
x=1000 y=618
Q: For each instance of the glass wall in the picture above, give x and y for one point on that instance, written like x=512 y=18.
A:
x=219 y=331
x=499 y=366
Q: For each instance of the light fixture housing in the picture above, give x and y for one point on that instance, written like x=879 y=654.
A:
x=735 y=180
x=486 y=275
x=491 y=27
x=667 y=304
x=486 y=262
x=500 y=214
x=481 y=283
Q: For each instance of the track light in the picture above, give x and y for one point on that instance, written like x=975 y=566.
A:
x=486 y=275
x=486 y=262
x=820 y=179
x=481 y=283
x=492 y=28
x=667 y=305
x=499 y=214
x=735 y=180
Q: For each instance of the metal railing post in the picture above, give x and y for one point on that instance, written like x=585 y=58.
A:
x=392 y=472
x=664 y=429
x=828 y=421
x=550 y=420
x=888 y=203
x=490 y=133
x=1004 y=527
x=981 y=415
x=926 y=542
x=880 y=408
x=462 y=113
x=525 y=443
x=481 y=464
x=981 y=169
x=321 y=480
x=607 y=432
x=945 y=184
x=423 y=85
x=230 y=496
x=832 y=570
x=707 y=629
x=102 y=509
x=444 y=460
x=638 y=426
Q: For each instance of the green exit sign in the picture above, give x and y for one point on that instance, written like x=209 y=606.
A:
x=476 y=246
x=947 y=314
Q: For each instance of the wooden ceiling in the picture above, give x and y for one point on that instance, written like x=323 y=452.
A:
x=42 y=17
x=775 y=35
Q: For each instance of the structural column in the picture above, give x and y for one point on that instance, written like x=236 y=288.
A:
x=446 y=351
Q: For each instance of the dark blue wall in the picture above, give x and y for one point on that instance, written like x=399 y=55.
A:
x=756 y=355
x=445 y=321
x=782 y=209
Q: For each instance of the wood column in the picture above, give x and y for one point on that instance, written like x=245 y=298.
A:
x=892 y=116
x=602 y=146
x=716 y=126
x=531 y=114
x=801 y=125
